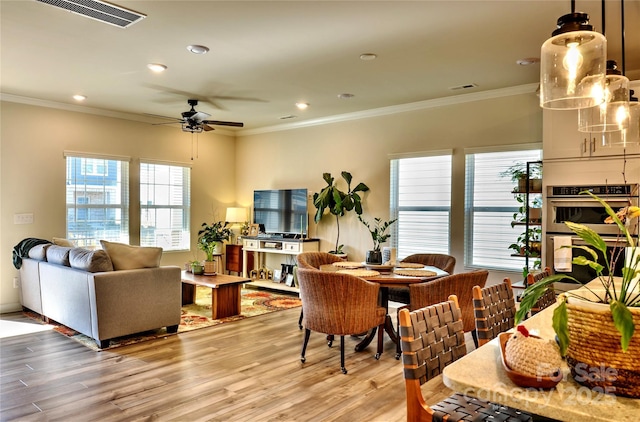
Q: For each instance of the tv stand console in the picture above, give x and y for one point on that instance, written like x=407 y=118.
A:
x=278 y=245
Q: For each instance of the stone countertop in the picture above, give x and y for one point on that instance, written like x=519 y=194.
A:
x=481 y=374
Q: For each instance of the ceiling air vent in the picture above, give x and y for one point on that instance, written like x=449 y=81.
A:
x=98 y=10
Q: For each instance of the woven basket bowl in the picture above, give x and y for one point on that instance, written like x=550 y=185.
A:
x=594 y=355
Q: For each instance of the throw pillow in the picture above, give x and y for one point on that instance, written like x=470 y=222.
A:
x=61 y=241
x=39 y=252
x=58 y=255
x=91 y=261
x=128 y=257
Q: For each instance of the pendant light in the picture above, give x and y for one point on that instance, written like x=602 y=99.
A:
x=631 y=134
x=613 y=113
x=573 y=64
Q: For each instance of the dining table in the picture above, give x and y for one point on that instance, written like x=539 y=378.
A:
x=388 y=278
x=481 y=374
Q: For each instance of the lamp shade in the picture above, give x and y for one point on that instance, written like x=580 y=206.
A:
x=236 y=215
x=613 y=113
x=628 y=136
x=573 y=65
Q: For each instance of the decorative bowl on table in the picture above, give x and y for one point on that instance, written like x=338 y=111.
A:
x=522 y=379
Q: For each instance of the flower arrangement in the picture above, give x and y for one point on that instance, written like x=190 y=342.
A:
x=378 y=231
x=619 y=297
x=210 y=235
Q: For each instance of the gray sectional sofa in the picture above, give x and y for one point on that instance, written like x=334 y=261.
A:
x=96 y=294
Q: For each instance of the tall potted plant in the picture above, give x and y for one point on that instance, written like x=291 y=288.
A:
x=596 y=326
x=338 y=202
x=379 y=235
x=210 y=238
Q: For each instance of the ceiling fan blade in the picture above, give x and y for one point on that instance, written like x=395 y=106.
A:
x=199 y=116
x=221 y=123
x=167 y=123
x=207 y=128
x=163 y=117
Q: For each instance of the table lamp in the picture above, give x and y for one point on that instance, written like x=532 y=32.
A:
x=236 y=216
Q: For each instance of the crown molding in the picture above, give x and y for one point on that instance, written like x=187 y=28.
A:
x=402 y=108
x=382 y=111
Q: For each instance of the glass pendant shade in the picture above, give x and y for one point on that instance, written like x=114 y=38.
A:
x=613 y=113
x=628 y=136
x=573 y=65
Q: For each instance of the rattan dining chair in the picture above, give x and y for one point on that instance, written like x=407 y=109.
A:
x=494 y=308
x=339 y=304
x=433 y=337
x=548 y=298
x=446 y=263
x=313 y=260
x=461 y=285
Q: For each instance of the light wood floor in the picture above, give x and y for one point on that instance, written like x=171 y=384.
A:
x=248 y=370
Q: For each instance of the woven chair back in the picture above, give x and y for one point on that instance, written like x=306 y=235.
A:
x=338 y=304
x=548 y=298
x=444 y=262
x=433 y=339
x=494 y=309
x=313 y=260
x=438 y=290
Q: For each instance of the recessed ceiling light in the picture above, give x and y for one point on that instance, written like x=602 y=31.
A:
x=368 y=56
x=302 y=106
x=198 y=49
x=528 y=61
x=79 y=97
x=345 y=96
x=157 y=67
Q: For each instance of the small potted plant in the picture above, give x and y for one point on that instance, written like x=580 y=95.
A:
x=518 y=173
x=379 y=235
x=210 y=238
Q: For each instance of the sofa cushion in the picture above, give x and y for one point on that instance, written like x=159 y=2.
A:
x=58 y=255
x=91 y=261
x=61 y=241
x=128 y=257
x=39 y=252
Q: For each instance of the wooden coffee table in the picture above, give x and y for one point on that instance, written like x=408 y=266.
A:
x=225 y=292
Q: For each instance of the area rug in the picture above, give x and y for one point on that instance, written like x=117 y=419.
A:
x=194 y=316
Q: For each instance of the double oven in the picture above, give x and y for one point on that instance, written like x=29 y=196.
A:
x=567 y=203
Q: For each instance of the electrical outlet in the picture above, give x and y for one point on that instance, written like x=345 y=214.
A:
x=24 y=218
x=16 y=282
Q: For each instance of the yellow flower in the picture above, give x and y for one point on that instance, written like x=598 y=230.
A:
x=624 y=213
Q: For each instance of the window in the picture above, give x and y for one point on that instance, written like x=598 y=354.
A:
x=165 y=206
x=489 y=209
x=421 y=201
x=97 y=198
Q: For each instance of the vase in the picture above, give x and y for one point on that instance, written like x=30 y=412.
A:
x=217 y=249
x=374 y=257
x=595 y=356
x=197 y=269
x=210 y=267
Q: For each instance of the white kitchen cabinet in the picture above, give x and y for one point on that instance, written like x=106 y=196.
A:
x=561 y=138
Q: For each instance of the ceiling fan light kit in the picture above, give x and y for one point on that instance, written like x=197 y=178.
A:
x=573 y=65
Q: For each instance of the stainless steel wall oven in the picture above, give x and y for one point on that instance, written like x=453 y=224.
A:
x=566 y=203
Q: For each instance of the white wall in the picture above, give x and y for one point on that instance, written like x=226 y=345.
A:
x=228 y=170
x=33 y=172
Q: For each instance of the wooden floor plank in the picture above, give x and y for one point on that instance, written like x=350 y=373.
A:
x=238 y=371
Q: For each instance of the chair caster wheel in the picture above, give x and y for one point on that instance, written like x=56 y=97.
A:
x=344 y=370
x=398 y=356
x=303 y=360
x=377 y=356
x=329 y=343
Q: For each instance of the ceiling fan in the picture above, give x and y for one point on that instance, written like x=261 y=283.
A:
x=196 y=121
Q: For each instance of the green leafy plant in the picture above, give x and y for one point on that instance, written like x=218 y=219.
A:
x=338 y=202
x=620 y=298
x=378 y=231
x=211 y=234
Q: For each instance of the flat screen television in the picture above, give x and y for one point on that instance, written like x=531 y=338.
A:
x=281 y=211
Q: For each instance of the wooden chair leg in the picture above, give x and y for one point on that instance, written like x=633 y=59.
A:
x=380 y=341
x=307 y=333
x=344 y=370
